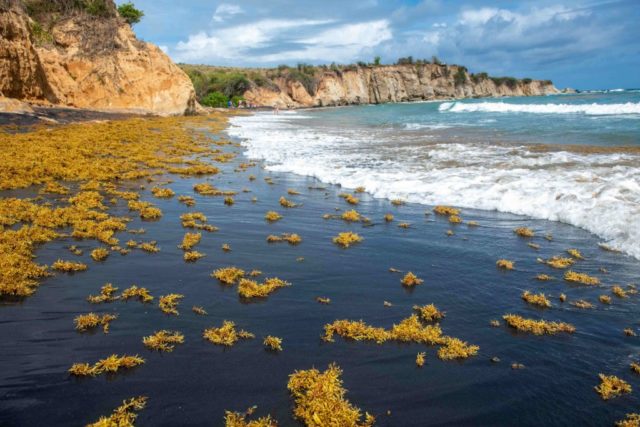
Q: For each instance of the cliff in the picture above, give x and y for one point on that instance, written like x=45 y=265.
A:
x=77 y=59
x=389 y=83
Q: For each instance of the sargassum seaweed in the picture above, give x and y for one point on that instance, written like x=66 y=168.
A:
x=163 y=340
x=429 y=312
x=537 y=327
x=539 y=300
x=124 y=415
x=505 y=264
x=237 y=419
x=347 y=239
x=84 y=322
x=585 y=279
x=169 y=303
x=251 y=289
x=226 y=334
x=411 y=280
x=111 y=364
x=320 y=399
x=228 y=275
x=272 y=343
x=611 y=386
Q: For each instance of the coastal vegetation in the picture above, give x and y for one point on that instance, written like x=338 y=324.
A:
x=216 y=86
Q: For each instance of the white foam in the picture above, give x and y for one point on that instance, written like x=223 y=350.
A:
x=418 y=126
x=629 y=108
x=597 y=192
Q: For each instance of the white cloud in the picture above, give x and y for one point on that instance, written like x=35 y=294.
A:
x=342 y=43
x=164 y=48
x=225 y=11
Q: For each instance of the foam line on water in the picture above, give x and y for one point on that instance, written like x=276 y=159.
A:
x=597 y=192
x=628 y=108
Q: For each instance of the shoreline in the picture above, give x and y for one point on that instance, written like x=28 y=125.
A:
x=198 y=381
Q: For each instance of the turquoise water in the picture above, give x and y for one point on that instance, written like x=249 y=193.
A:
x=568 y=158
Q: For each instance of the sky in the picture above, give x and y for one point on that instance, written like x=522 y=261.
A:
x=576 y=43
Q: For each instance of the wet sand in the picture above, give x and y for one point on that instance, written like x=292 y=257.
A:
x=198 y=381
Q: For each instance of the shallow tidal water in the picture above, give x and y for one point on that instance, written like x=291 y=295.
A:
x=198 y=381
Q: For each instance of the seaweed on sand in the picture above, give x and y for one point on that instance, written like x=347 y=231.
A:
x=226 y=334
x=320 y=399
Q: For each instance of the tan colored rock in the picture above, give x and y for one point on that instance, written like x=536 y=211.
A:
x=392 y=83
x=93 y=63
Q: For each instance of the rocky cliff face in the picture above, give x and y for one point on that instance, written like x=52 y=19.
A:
x=88 y=62
x=396 y=83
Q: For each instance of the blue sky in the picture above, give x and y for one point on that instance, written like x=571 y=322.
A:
x=577 y=43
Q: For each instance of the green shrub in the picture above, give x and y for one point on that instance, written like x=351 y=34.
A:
x=460 y=77
x=435 y=60
x=376 y=61
x=510 y=82
x=236 y=100
x=96 y=7
x=130 y=14
x=215 y=99
x=526 y=80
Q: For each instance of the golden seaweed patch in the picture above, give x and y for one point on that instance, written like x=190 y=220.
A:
x=107 y=294
x=134 y=292
x=272 y=216
x=429 y=312
x=524 y=232
x=111 y=364
x=347 y=239
x=163 y=340
x=537 y=327
x=539 y=300
x=611 y=386
x=505 y=264
x=237 y=419
x=68 y=266
x=85 y=322
x=226 y=334
x=446 y=210
x=420 y=359
x=411 y=280
x=162 y=192
x=272 y=343
x=585 y=279
x=320 y=399
x=228 y=275
x=252 y=289
x=99 y=254
x=124 y=415
x=169 y=303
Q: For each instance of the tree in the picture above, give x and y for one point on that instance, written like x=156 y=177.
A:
x=376 y=60
x=435 y=60
x=130 y=14
x=215 y=99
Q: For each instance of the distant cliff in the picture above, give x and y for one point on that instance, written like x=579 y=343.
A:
x=397 y=83
x=56 y=52
x=320 y=86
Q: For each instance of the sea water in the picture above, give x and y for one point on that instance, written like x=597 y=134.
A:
x=569 y=158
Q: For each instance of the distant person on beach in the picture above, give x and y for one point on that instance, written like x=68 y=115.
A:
x=229 y=104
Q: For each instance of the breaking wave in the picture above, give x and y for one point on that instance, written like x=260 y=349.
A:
x=629 y=108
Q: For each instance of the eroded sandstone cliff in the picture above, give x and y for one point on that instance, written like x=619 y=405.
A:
x=85 y=61
x=392 y=83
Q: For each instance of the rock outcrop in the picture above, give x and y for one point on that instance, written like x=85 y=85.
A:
x=391 y=83
x=88 y=62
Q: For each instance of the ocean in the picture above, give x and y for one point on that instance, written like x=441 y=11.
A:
x=568 y=158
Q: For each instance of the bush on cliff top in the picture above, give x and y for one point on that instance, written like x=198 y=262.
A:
x=130 y=14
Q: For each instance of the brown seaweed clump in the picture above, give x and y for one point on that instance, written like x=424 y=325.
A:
x=226 y=334
x=347 y=239
x=575 y=253
x=237 y=419
x=107 y=294
x=187 y=200
x=420 y=359
x=196 y=220
x=605 y=299
x=524 y=232
x=124 y=415
x=111 y=364
x=163 y=340
x=544 y=277
x=455 y=348
x=162 y=192
x=559 y=262
x=388 y=217
x=99 y=254
x=611 y=386
x=251 y=289
x=537 y=327
x=190 y=240
x=582 y=304
x=397 y=202
x=291 y=238
x=134 y=292
x=146 y=210
x=272 y=343
x=322 y=300
x=228 y=275
x=455 y=219
x=85 y=322
x=272 y=216
x=192 y=256
x=169 y=303
x=631 y=420
x=505 y=264
x=411 y=280
x=429 y=313
x=199 y=310
x=619 y=292
x=68 y=266
x=320 y=399
x=287 y=203
x=446 y=210
x=351 y=216
x=539 y=300
x=585 y=279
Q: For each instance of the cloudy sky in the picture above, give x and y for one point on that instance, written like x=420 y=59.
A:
x=577 y=43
